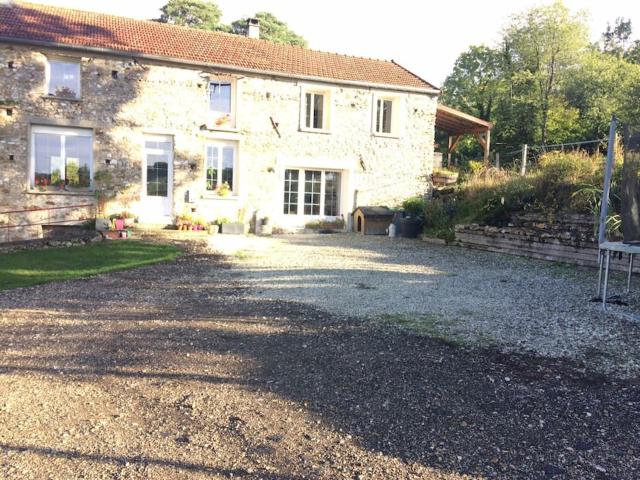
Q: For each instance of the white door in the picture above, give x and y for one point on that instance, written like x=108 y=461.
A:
x=157 y=179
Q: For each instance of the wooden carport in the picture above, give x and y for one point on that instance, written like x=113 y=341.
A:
x=456 y=124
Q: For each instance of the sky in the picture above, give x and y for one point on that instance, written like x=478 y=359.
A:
x=425 y=37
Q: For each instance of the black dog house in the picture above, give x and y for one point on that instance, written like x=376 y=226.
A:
x=372 y=220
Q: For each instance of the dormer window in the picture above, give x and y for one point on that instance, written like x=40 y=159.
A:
x=63 y=78
x=222 y=103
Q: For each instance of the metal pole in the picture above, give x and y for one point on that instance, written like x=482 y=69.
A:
x=630 y=270
x=497 y=160
x=523 y=165
x=604 y=203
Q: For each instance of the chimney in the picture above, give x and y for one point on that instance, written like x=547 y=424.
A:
x=253 y=28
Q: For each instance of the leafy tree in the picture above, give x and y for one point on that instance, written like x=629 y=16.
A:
x=271 y=28
x=192 y=13
x=616 y=38
x=546 y=42
x=473 y=85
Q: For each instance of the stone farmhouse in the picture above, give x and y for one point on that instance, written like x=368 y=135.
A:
x=116 y=114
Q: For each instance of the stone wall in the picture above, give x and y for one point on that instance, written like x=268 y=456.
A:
x=122 y=100
x=567 y=238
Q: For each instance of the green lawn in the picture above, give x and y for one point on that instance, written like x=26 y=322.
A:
x=32 y=267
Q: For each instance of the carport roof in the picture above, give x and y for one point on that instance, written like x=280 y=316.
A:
x=455 y=122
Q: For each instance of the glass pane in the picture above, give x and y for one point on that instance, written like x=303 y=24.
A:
x=291 y=192
x=64 y=79
x=331 y=193
x=220 y=97
x=212 y=167
x=48 y=158
x=308 y=110
x=78 y=161
x=312 y=184
x=157 y=175
x=318 y=104
x=227 y=166
x=386 y=116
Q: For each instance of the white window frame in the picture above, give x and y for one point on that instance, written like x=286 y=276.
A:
x=221 y=144
x=327 y=108
x=64 y=132
x=302 y=191
x=397 y=121
x=47 y=84
x=216 y=116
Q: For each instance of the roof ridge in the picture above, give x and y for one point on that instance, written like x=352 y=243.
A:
x=29 y=22
x=191 y=29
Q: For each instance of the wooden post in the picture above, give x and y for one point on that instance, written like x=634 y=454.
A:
x=523 y=165
x=487 y=146
x=497 y=159
x=449 y=151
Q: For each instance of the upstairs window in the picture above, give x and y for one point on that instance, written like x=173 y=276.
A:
x=63 y=78
x=315 y=110
x=221 y=103
x=386 y=116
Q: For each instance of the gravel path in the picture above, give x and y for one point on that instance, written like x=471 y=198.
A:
x=464 y=296
x=182 y=371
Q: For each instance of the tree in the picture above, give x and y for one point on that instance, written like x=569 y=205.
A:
x=271 y=28
x=473 y=84
x=545 y=43
x=615 y=40
x=192 y=13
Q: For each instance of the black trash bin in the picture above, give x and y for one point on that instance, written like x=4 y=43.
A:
x=631 y=188
x=410 y=227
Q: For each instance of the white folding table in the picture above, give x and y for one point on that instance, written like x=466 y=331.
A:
x=606 y=250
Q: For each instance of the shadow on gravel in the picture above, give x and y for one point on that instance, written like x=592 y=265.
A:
x=138 y=460
x=473 y=412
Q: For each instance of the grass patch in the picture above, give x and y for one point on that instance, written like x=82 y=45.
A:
x=34 y=267
x=434 y=326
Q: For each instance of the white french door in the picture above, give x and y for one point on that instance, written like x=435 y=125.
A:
x=157 y=178
x=311 y=193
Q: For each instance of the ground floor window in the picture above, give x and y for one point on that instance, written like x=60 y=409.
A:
x=61 y=158
x=220 y=168
x=311 y=192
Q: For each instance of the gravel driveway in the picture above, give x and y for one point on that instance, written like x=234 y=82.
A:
x=186 y=370
x=463 y=296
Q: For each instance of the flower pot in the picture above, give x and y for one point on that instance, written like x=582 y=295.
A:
x=119 y=223
x=235 y=228
x=410 y=227
x=214 y=229
x=442 y=180
x=129 y=222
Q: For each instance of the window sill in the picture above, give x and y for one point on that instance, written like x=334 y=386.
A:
x=385 y=135
x=88 y=193
x=213 y=196
x=61 y=99
x=322 y=131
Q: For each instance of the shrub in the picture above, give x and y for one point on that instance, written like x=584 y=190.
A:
x=414 y=207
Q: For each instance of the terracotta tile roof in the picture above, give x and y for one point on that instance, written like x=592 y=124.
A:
x=39 y=23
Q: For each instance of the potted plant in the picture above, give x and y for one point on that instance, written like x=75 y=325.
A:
x=443 y=177
x=129 y=219
x=234 y=228
x=213 y=228
x=411 y=224
x=224 y=190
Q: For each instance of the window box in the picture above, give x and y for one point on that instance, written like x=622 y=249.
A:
x=234 y=228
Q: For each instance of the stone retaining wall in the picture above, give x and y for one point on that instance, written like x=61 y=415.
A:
x=568 y=238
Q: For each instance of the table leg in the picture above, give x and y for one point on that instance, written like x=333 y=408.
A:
x=630 y=272
x=600 y=265
x=606 y=279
